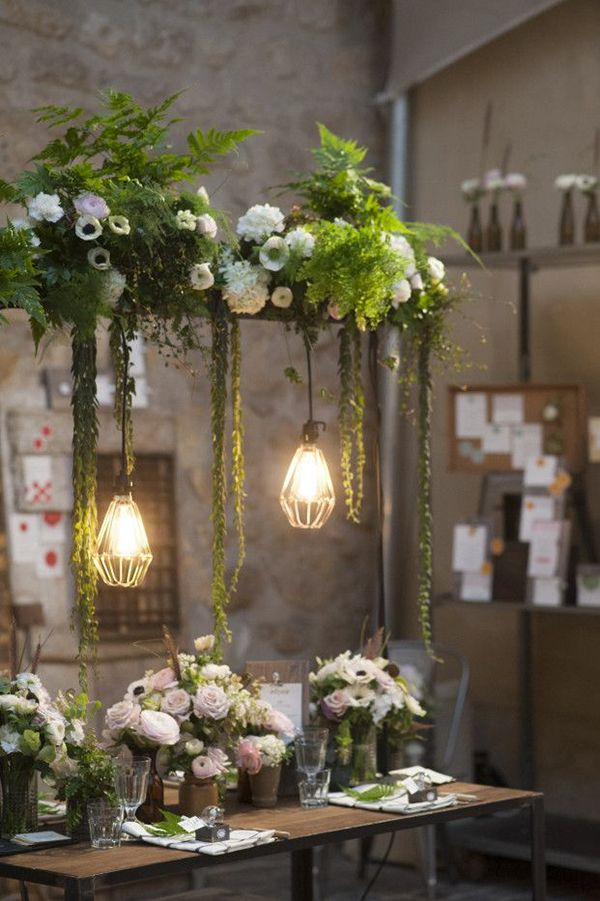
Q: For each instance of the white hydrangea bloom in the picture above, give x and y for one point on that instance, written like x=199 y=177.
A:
x=45 y=207
x=301 y=242
x=260 y=221
x=9 y=739
x=185 y=219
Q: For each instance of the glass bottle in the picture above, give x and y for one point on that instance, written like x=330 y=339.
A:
x=518 y=232
x=475 y=232
x=493 y=235
x=592 y=219
x=566 y=230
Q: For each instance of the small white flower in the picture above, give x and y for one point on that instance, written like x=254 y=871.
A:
x=119 y=225
x=34 y=240
x=203 y=194
x=301 y=242
x=193 y=747
x=204 y=642
x=201 y=277
x=55 y=731
x=9 y=739
x=586 y=183
x=113 y=285
x=88 y=228
x=99 y=258
x=472 y=189
x=185 y=219
x=514 y=181
x=282 y=297
x=436 y=268
x=260 y=221
x=402 y=291
x=401 y=246
x=274 y=254
x=565 y=182
x=45 y=207
x=206 y=225
x=341 y=223
x=493 y=181
x=417 y=282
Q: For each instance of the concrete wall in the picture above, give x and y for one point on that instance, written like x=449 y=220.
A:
x=543 y=81
x=274 y=65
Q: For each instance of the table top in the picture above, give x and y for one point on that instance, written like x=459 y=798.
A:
x=306 y=828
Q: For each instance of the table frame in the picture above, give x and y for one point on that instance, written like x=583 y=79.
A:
x=81 y=871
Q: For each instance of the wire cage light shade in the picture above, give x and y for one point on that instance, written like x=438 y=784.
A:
x=307 y=497
x=122 y=555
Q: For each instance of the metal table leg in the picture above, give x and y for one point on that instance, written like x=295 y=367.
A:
x=79 y=889
x=538 y=850
x=302 y=875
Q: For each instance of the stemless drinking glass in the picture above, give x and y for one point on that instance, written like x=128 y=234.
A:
x=131 y=784
x=311 y=748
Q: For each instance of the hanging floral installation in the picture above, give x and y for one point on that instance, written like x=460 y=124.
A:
x=111 y=239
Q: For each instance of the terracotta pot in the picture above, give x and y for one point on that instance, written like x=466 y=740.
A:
x=196 y=794
x=264 y=786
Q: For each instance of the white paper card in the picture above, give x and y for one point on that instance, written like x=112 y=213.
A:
x=470 y=414
x=37 y=480
x=526 y=442
x=496 y=439
x=547 y=592
x=24 y=535
x=540 y=471
x=535 y=508
x=588 y=586
x=50 y=561
x=507 y=409
x=476 y=586
x=594 y=439
x=285 y=697
x=469 y=548
x=544 y=549
x=105 y=390
x=54 y=528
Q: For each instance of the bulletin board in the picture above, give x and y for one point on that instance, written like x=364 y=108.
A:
x=556 y=412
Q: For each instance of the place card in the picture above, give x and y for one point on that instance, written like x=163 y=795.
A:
x=588 y=585
x=535 y=508
x=476 y=586
x=24 y=536
x=540 y=472
x=470 y=414
x=496 y=439
x=547 y=592
x=546 y=543
x=594 y=439
x=284 y=685
x=469 y=549
x=507 y=409
x=526 y=442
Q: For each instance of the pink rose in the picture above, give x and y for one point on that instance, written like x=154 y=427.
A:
x=247 y=756
x=336 y=704
x=204 y=768
x=162 y=679
x=157 y=727
x=123 y=715
x=279 y=723
x=89 y=204
x=211 y=701
x=176 y=701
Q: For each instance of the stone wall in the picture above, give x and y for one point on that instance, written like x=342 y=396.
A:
x=273 y=65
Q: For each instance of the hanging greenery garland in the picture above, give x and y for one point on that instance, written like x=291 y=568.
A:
x=219 y=365
x=237 y=449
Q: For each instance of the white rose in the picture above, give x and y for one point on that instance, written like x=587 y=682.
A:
x=201 y=277
x=211 y=701
x=282 y=298
x=204 y=643
x=417 y=282
x=45 y=207
x=436 y=268
x=176 y=701
x=123 y=715
x=215 y=671
x=300 y=241
x=402 y=292
x=206 y=225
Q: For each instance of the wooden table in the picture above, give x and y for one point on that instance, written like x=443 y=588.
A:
x=80 y=870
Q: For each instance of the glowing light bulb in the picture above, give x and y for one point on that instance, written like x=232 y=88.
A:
x=122 y=554
x=307 y=497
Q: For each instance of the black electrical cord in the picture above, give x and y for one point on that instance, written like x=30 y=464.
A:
x=125 y=348
x=382 y=863
x=309 y=368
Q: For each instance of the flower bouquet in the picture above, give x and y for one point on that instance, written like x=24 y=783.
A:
x=357 y=695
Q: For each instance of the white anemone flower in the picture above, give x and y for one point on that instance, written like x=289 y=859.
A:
x=201 y=277
x=119 y=225
x=88 y=228
x=282 y=297
x=99 y=258
x=274 y=253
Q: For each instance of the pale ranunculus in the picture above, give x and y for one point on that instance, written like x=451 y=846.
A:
x=219 y=758
x=247 y=757
x=215 y=671
x=123 y=715
x=211 y=701
x=203 y=767
x=335 y=705
x=163 y=679
x=402 y=291
x=89 y=204
x=176 y=701
x=204 y=643
x=158 y=727
x=45 y=207
x=201 y=277
x=282 y=297
x=515 y=181
x=193 y=747
x=206 y=225
x=436 y=268
x=279 y=723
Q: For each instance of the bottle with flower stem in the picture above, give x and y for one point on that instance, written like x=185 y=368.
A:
x=494 y=184
x=516 y=184
x=472 y=191
x=566 y=225
x=587 y=184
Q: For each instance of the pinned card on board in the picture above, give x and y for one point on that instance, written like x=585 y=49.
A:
x=470 y=414
x=470 y=546
x=540 y=471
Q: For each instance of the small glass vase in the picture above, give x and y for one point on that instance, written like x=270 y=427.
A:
x=363 y=756
x=154 y=802
x=566 y=227
x=518 y=232
x=475 y=231
x=19 y=795
x=196 y=794
x=493 y=233
x=591 y=227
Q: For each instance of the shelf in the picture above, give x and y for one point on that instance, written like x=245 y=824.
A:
x=515 y=605
x=538 y=258
x=570 y=842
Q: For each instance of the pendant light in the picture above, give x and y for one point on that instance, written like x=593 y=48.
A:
x=307 y=496
x=122 y=554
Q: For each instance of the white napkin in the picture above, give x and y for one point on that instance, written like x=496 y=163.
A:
x=396 y=803
x=411 y=771
x=186 y=841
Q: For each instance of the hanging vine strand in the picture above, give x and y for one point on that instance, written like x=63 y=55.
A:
x=237 y=450
x=124 y=390
x=219 y=364
x=85 y=439
x=350 y=418
x=424 y=513
x=357 y=423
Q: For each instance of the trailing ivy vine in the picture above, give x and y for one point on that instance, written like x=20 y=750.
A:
x=237 y=450
x=424 y=512
x=350 y=418
x=218 y=368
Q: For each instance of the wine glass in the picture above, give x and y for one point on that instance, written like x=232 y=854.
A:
x=131 y=784
x=311 y=747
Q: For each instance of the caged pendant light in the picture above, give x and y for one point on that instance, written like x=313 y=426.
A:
x=307 y=497
x=122 y=554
